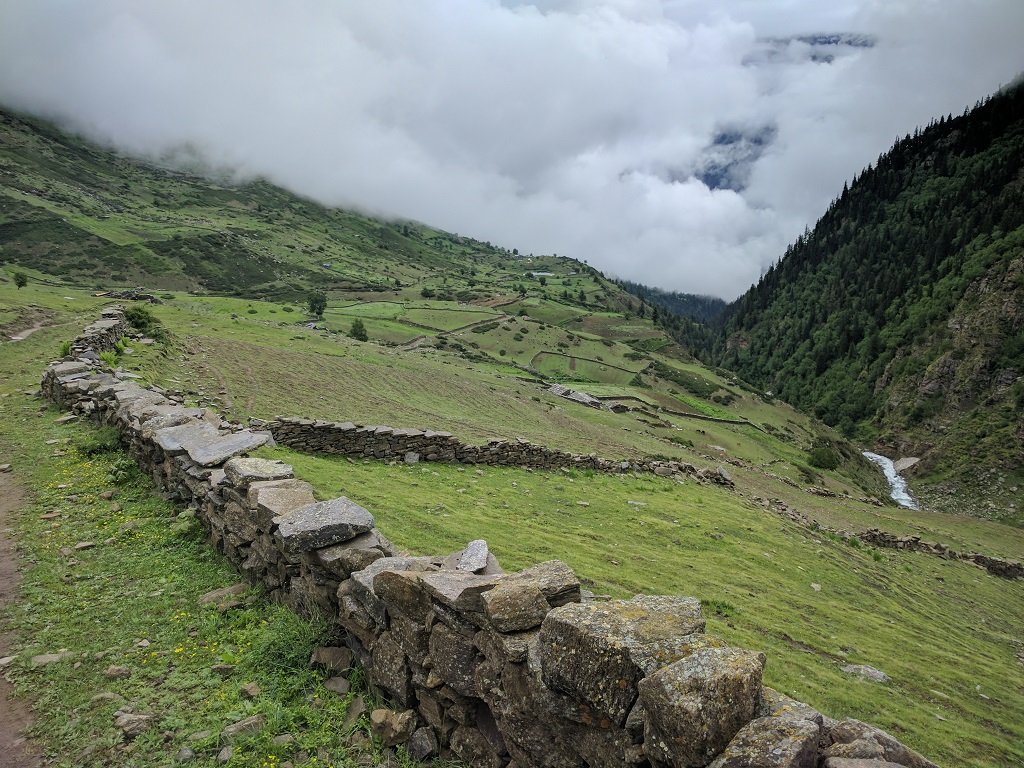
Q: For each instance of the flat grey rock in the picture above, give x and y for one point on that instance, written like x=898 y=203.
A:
x=474 y=557
x=322 y=524
x=242 y=471
x=868 y=673
x=207 y=452
x=172 y=439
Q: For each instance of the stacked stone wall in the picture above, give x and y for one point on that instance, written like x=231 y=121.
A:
x=510 y=670
x=413 y=445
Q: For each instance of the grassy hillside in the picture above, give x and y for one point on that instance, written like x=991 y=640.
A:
x=468 y=340
x=938 y=628
x=900 y=316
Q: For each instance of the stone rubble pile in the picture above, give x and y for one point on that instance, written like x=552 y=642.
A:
x=413 y=445
x=500 y=669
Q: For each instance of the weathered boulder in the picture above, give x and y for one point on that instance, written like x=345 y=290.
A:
x=514 y=606
x=696 y=705
x=403 y=592
x=360 y=585
x=208 y=450
x=554 y=579
x=355 y=554
x=775 y=704
x=597 y=652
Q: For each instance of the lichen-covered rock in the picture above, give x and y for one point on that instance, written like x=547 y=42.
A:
x=403 y=592
x=597 y=652
x=772 y=742
x=554 y=579
x=775 y=704
x=360 y=585
x=696 y=705
x=389 y=670
x=854 y=739
x=471 y=745
x=321 y=524
x=422 y=744
x=454 y=658
x=853 y=762
x=515 y=606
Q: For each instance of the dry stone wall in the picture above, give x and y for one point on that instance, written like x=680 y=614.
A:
x=413 y=445
x=500 y=669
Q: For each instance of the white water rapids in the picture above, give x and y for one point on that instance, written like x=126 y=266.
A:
x=898 y=485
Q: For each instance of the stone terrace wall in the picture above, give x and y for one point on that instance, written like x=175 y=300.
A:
x=501 y=669
x=412 y=445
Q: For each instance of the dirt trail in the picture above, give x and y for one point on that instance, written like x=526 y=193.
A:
x=22 y=335
x=15 y=714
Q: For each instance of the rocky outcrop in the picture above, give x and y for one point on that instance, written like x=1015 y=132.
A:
x=510 y=670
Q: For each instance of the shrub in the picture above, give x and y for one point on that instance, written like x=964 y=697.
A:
x=287 y=309
x=358 y=331
x=317 y=303
x=823 y=456
x=142 y=319
x=251 y=310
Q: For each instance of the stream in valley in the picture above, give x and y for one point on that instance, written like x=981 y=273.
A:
x=899 y=492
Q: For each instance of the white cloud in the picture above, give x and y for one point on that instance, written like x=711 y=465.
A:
x=560 y=126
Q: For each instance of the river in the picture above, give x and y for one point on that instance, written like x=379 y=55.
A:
x=897 y=484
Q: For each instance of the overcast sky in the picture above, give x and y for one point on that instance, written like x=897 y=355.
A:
x=681 y=143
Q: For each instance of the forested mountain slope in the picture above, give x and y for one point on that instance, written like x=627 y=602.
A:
x=901 y=314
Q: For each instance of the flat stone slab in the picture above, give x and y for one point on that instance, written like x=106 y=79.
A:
x=274 y=499
x=474 y=557
x=242 y=471
x=206 y=452
x=172 y=439
x=321 y=525
x=69 y=369
x=459 y=590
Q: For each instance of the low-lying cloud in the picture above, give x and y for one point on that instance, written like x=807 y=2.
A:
x=680 y=143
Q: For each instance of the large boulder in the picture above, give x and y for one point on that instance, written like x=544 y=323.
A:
x=597 y=652
x=696 y=705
